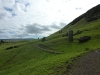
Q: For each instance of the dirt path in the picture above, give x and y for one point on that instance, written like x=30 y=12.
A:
x=47 y=49
x=88 y=64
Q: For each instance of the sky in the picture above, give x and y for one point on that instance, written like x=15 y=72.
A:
x=38 y=18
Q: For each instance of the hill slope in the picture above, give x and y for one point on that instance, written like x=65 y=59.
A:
x=56 y=54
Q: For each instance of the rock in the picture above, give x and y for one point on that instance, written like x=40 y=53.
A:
x=84 y=39
x=16 y=46
x=9 y=48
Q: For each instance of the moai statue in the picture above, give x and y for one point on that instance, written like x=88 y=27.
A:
x=43 y=39
x=70 y=36
x=67 y=34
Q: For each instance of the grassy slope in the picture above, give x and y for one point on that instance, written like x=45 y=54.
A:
x=30 y=60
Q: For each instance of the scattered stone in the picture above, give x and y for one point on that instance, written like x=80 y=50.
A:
x=9 y=48
x=16 y=46
x=84 y=39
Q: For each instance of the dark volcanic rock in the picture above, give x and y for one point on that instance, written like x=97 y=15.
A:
x=16 y=46
x=84 y=39
x=9 y=48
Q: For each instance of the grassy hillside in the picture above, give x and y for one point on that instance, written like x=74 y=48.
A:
x=52 y=57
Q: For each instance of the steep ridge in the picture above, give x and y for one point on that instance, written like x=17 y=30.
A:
x=91 y=15
x=88 y=64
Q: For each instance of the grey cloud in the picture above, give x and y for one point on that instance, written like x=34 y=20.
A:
x=36 y=28
x=30 y=30
x=13 y=14
x=1 y=31
x=3 y=36
x=62 y=24
x=23 y=2
x=78 y=8
x=27 y=4
x=55 y=26
x=33 y=29
x=2 y=15
x=47 y=0
x=13 y=6
x=10 y=10
x=21 y=35
x=17 y=1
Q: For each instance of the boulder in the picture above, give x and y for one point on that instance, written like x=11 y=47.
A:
x=16 y=46
x=9 y=48
x=84 y=39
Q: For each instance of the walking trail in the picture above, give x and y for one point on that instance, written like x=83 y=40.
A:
x=45 y=48
x=89 y=64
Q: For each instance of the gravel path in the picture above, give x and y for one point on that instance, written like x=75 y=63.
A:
x=88 y=64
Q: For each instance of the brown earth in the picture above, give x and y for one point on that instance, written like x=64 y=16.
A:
x=88 y=64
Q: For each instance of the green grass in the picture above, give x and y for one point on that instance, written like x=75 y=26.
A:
x=30 y=60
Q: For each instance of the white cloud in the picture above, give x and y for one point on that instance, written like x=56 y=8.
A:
x=20 y=13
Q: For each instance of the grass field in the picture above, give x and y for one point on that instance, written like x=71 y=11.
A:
x=28 y=59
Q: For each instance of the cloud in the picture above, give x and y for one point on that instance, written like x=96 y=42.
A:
x=4 y=34
x=47 y=0
x=24 y=35
x=27 y=4
x=8 y=9
x=41 y=17
x=78 y=8
x=41 y=29
x=1 y=31
x=55 y=26
x=62 y=24
x=11 y=11
x=2 y=16
x=8 y=33
x=22 y=5
x=36 y=28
